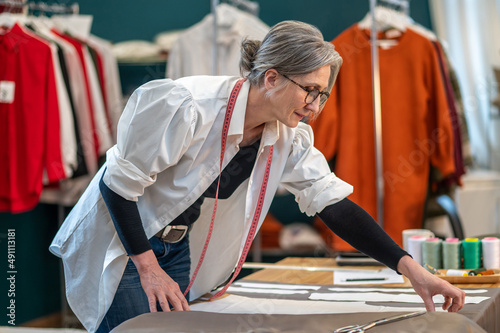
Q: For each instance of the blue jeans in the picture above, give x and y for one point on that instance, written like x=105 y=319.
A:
x=130 y=299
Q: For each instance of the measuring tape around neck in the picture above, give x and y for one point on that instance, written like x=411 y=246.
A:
x=260 y=202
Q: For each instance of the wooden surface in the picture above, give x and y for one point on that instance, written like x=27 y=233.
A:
x=325 y=278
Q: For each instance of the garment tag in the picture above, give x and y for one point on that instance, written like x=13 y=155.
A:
x=386 y=43
x=7 y=89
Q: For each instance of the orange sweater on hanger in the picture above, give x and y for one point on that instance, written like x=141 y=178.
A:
x=416 y=126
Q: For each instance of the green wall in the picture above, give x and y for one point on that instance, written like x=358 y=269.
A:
x=126 y=20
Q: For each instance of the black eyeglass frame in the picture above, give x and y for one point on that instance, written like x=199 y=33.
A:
x=309 y=91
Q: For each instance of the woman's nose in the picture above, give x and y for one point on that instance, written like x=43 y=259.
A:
x=314 y=106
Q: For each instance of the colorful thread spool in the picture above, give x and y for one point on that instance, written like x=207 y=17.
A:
x=491 y=252
x=432 y=252
x=472 y=253
x=415 y=248
x=452 y=253
x=456 y=272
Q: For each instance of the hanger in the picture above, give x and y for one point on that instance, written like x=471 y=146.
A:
x=402 y=6
x=69 y=20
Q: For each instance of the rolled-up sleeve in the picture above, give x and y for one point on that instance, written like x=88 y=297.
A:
x=308 y=176
x=154 y=131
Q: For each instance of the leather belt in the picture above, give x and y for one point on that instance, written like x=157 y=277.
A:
x=173 y=233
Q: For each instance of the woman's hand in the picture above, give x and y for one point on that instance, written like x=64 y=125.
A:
x=158 y=286
x=427 y=285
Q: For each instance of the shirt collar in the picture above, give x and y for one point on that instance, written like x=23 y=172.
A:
x=271 y=131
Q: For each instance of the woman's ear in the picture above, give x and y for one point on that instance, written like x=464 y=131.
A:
x=271 y=79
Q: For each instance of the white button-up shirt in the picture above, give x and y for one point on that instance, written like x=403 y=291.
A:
x=166 y=156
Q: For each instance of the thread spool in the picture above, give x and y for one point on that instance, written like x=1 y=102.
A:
x=455 y=272
x=472 y=253
x=432 y=252
x=415 y=248
x=452 y=253
x=491 y=252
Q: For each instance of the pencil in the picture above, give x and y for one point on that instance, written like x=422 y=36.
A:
x=365 y=279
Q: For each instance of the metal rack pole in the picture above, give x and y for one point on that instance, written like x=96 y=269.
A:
x=377 y=116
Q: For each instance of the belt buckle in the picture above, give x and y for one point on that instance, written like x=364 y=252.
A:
x=174 y=233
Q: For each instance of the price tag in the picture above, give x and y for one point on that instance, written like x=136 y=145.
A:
x=7 y=89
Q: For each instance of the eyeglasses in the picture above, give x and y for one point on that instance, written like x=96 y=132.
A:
x=312 y=93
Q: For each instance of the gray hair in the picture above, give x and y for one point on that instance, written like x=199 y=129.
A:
x=292 y=48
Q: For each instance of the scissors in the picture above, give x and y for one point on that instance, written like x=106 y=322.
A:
x=363 y=328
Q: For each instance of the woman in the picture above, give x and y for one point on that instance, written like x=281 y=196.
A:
x=162 y=187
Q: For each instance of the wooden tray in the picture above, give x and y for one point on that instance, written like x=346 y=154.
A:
x=495 y=278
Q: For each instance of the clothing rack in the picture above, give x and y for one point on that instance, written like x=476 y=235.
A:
x=377 y=104
x=55 y=8
x=12 y=3
x=399 y=5
x=246 y=5
x=12 y=6
x=41 y=7
x=213 y=8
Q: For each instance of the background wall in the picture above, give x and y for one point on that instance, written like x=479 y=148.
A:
x=38 y=275
x=36 y=287
x=129 y=20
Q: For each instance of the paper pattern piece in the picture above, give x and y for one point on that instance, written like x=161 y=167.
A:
x=399 y=290
x=387 y=274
